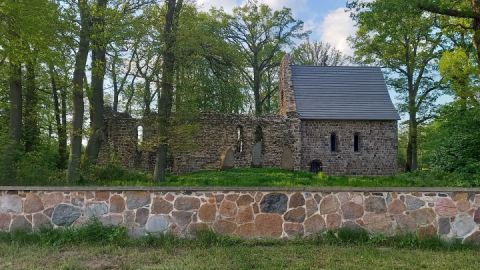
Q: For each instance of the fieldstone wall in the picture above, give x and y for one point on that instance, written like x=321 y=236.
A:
x=377 y=153
x=247 y=213
x=213 y=136
x=217 y=136
x=287 y=104
x=120 y=142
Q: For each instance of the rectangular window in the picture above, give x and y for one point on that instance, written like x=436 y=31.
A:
x=333 y=142
x=356 y=142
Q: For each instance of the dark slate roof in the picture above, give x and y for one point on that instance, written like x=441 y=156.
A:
x=347 y=93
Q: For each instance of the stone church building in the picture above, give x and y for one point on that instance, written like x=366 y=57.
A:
x=339 y=120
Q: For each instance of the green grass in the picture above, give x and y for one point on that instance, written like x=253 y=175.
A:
x=266 y=177
x=269 y=177
x=292 y=256
x=97 y=247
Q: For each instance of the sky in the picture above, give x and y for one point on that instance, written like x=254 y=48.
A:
x=326 y=19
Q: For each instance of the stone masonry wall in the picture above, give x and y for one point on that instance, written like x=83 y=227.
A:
x=214 y=135
x=218 y=132
x=377 y=153
x=287 y=105
x=121 y=142
x=261 y=213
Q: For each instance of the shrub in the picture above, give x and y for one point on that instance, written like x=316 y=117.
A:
x=113 y=174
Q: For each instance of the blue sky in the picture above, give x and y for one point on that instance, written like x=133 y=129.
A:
x=326 y=19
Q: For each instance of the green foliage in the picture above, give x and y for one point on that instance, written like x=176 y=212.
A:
x=457 y=67
x=348 y=236
x=260 y=36
x=38 y=167
x=317 y=53
x=113 y=174
x=94 y=233
x=452 y=140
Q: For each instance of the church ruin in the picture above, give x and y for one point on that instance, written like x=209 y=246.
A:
x=339 y=120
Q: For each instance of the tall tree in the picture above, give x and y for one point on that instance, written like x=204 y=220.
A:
x=32 y=130
x=260 y=34
x=99 y=51
x=73 y=173
x=60 y=112
x=317 y=53
x=400 y=37
x=165 y=100
x=467 y=9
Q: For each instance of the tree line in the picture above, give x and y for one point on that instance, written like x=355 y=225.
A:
x=66 y=64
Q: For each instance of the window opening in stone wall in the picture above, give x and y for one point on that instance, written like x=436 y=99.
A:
x=258 y=134
x=356 y=142
x=333 y=142
x=239 y=139
x=257 y=151
x=139 y=134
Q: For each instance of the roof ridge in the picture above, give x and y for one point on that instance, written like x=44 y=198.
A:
x=335 y=66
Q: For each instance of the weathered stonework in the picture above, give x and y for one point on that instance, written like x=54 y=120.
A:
x=213 y=136
x=223 y=141
x=287 y=102
x=377 y=154
x=247 y=213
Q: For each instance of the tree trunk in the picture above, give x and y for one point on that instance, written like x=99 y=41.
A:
x=15 y=85
x=73 y=173
x=147 y=97
x=412 y=127
x=61 y=131
x=116 y=92
x=62 y=137
x=256 y=91
x=31 y=129
x=98 y=74
x=168 y=74
x=412 y=146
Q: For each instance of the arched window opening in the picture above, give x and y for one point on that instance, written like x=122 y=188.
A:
x=139 y=134
x=356 y=142
x=239 y=139
x=258 y=149
x=333 y=142
x=258 y=134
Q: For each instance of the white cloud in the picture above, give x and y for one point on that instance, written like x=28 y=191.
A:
x=227 y=5
x=335 y=28
x=295 y=5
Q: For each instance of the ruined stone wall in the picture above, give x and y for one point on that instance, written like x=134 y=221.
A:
x=449 y=213
x=213 y=135
x=217 y=134
x=377 y=153
x=287 y=105
x=120 y=143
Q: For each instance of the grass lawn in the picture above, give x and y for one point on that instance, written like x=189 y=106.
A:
x=289 y=256
x=281 y=178
x=95 y=246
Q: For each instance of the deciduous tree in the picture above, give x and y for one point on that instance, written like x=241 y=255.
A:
x=405 y=40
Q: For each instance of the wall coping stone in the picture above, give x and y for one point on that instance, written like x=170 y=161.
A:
x=233 y=188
